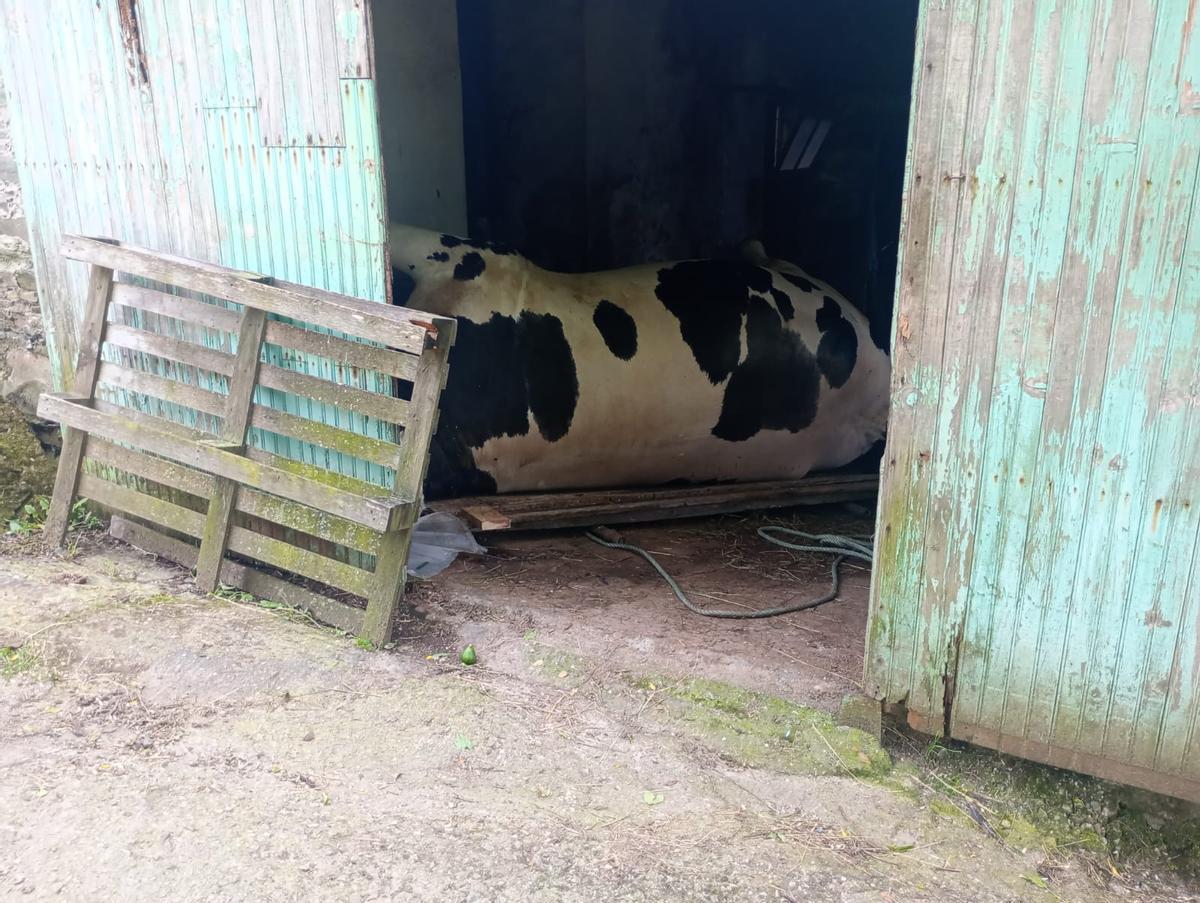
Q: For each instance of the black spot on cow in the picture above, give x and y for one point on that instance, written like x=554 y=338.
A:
x=549 y=374
x=776 y=387
x=800 y=282
x=500 y=372
x=709 y=298
x=617 y=329
x=784 y=303
x=403 y=286
x=471 y=266
x=439 y=256
x=453 y=241
x=838 y=350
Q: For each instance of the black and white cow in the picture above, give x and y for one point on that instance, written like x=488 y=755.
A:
x=697 y=370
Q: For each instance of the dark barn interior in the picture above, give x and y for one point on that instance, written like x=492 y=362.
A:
x=599 y=135
x=607 y=134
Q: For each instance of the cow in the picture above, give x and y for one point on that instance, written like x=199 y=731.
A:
x=692 y=371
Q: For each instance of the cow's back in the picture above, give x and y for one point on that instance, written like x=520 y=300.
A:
x=694 y=370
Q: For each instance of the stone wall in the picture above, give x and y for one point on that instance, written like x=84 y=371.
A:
x=26 y=466
x=24 y=368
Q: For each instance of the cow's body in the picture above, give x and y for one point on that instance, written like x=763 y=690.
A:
x=695 y=370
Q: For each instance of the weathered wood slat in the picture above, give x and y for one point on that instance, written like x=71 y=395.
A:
x=170 y=348
x=120 y=427
x=401 y=365
x=162 y=388
x=322 y=435
x=395 y=326
x=268 y=507
x=352 y=398
x=270 y=551
x=139 y=504
x=371 y=404
x=177 y=307
x=547 y=511
x=377 y=451
x=182 y=433
x=287 y=557
x=158 y=470
x=339 y=350
x=312 y=471
x=320 y=524
x=265 y=586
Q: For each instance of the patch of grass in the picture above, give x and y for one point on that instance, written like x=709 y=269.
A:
x=233 y=594
x=16 y=660
x=32 y=517
x=289 y=612
x=363 y=643
x=755 y=729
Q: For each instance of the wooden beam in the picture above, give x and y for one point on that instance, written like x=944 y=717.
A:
x=558 y=510
x=87 y=366
x=391 y=561
x=236 y=422
x=394 y=326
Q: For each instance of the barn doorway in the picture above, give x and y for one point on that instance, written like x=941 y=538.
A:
x=598 y=135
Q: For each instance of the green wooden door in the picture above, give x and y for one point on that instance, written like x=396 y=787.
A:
x=1037 y=588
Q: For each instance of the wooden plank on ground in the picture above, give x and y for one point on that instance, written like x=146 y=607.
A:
x=557 y=510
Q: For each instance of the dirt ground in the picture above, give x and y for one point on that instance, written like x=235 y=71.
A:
x=607 y=746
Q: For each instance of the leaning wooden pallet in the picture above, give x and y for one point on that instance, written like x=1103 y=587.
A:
x=164 y=405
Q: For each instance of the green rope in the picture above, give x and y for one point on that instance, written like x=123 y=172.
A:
x=841 y=547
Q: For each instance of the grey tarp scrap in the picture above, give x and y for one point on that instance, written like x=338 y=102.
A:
x=438 y=539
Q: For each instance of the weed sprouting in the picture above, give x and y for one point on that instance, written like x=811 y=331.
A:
x=33 y=515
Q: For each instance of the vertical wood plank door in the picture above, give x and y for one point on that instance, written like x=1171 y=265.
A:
x=1036 y=588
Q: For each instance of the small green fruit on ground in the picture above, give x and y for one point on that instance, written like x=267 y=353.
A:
x=468 y=656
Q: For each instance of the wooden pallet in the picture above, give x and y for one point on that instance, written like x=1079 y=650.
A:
x=556 y=510
x=199 y=490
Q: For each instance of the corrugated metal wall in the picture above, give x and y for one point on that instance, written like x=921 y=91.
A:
x=239 y=131
x=1038 y=527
